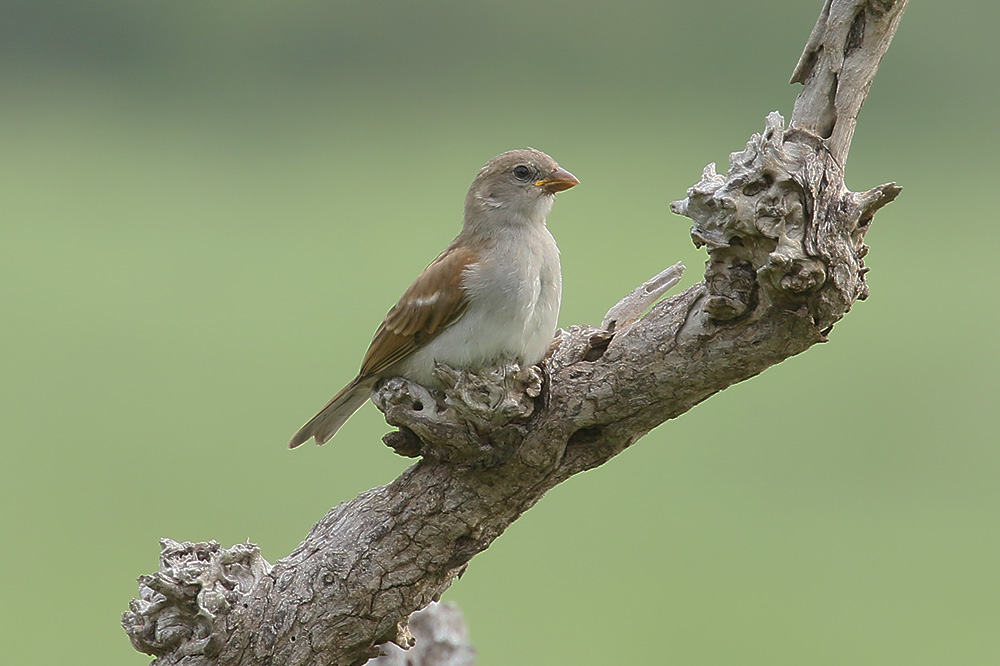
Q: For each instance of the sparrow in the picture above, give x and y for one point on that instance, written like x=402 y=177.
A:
x=493 y=293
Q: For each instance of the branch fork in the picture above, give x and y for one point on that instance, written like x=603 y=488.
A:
x=781 y=229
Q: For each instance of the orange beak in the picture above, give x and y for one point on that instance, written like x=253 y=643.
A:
x=557 y=181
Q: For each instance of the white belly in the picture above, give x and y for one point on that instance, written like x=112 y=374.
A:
x=513 y=313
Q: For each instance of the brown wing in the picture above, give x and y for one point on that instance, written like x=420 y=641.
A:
x=432 y=303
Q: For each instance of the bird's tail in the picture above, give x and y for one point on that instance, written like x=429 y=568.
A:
x=325 y=425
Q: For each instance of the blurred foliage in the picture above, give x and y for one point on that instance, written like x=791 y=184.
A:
x=207 y=208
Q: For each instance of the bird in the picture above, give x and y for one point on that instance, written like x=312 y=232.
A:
x=492 y=294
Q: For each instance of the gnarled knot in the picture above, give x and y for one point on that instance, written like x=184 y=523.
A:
x=757 y=221
x=180 y=608
x=732 y=286
x=792 y=275
x=473 y=420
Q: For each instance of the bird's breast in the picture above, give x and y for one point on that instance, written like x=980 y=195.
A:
x=514 y=293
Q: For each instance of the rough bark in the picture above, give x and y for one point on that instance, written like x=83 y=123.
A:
x=786 y=261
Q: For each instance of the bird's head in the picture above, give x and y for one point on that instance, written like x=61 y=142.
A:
x=516 y=187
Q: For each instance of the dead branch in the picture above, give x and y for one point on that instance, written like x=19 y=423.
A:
x=786 y=261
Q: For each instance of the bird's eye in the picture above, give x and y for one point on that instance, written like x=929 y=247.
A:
x=522 y=173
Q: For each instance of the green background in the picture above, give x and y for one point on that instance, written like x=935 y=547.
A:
x=207 y=207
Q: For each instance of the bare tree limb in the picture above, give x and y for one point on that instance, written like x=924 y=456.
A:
x=838 y=65
x=786 y=246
